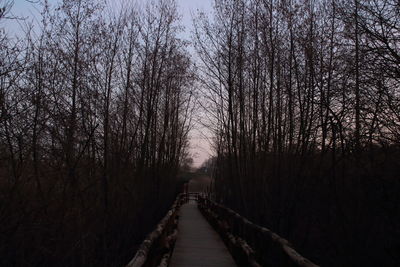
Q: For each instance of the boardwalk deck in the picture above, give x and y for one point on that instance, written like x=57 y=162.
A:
x=198 y=245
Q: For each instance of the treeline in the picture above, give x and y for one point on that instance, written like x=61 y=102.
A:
x=304 y=101
x=95 y=112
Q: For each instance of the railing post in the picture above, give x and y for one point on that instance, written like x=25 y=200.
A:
x=157 y=245
x=249 y=242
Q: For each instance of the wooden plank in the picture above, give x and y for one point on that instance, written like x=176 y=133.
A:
x=226 y=220
x=197 y=243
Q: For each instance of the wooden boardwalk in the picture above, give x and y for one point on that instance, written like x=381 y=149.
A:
x=198 y=245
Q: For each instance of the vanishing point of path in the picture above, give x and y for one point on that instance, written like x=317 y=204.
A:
x=198 y=245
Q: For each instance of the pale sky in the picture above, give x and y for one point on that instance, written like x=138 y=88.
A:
x=200 y=147
x=30 y=8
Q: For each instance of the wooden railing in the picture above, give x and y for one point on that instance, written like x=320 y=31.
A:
x=157 y=247
x=250 y=244
x=192 y=196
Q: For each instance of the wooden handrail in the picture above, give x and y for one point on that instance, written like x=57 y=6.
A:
x=266 y=247
x=157 y=246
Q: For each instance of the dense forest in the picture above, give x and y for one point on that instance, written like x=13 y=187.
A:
x=97 y=103
x=95 y=113
x=303 y=99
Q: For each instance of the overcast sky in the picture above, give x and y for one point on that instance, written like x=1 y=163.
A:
x=200 y=147
x=30 y=9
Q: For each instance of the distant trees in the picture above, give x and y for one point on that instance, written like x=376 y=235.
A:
x=304 y=99
x=95 y=112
